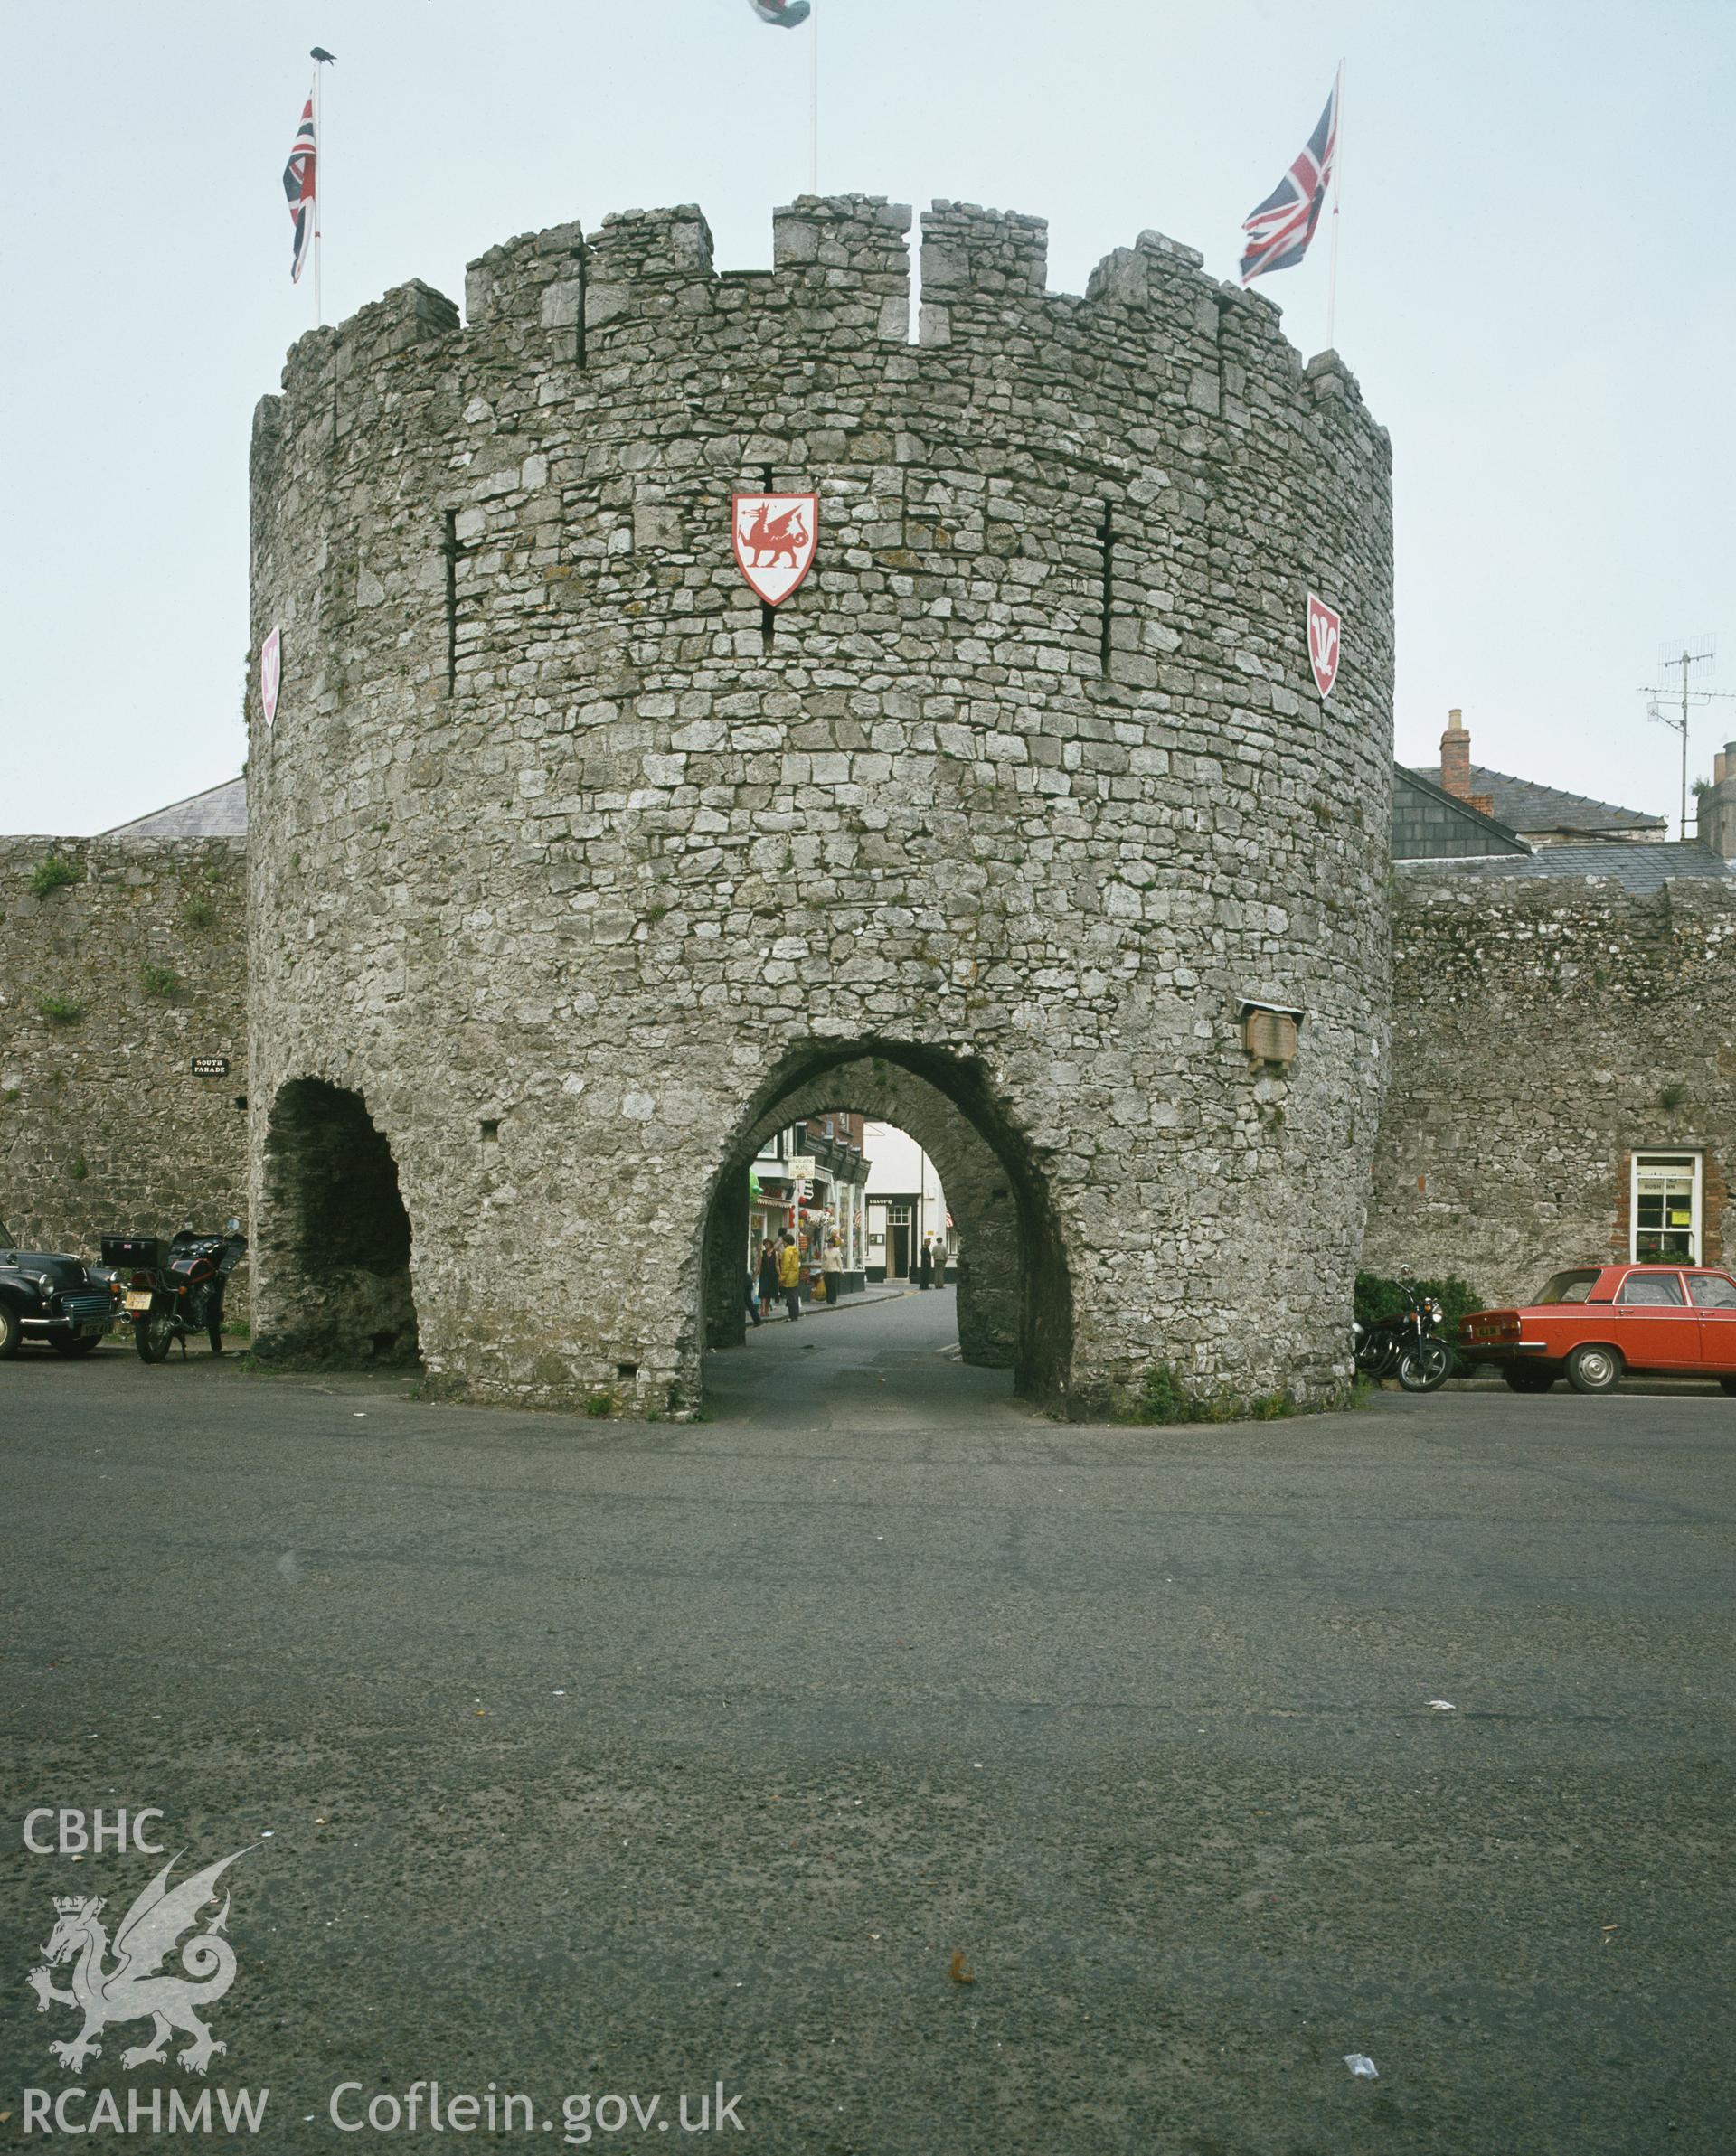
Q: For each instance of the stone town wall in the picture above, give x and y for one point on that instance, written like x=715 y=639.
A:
x=1543 y=1029
x=103 y=1128
x=565 y=859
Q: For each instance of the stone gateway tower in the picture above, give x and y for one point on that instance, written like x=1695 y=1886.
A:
x=575 y=869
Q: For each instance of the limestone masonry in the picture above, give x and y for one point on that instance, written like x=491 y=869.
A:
x=1545 y=1031
x=111 y=984
x=572 y=868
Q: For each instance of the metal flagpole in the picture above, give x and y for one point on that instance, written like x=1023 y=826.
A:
x=1337 y=170
x=814 y=99
x=319 y=191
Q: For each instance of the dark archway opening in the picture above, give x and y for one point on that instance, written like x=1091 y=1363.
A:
x=335 y=1242
x=1014 y=1295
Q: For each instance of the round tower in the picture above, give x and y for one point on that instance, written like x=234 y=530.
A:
x=1022 y=822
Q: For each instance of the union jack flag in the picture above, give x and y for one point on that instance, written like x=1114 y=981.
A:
x=1278 y=231
x=298 y=176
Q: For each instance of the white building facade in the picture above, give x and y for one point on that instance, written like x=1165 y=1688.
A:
x=907 y=1207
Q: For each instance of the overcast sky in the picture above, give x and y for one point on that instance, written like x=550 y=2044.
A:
x=1534 y=293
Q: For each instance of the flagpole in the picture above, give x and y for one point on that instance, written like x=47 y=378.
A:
x=814 y=99
x=1337 y=173
x=319 y=192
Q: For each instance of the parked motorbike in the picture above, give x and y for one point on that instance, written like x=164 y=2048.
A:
x=174 y=1288
x=1407 y=1345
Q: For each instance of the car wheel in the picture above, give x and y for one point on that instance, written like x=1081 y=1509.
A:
x=74 y=1343
x=1594 y=1368
x=1425 y=1365
x=12 y=1332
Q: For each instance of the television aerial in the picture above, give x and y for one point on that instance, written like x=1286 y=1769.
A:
x=1692 y=662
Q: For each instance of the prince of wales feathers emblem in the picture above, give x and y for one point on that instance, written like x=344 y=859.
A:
x=132 y=1989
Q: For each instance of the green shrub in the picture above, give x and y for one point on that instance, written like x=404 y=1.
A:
x=1378 y=1297
x=61 y=1010
x=79 y=1170
x=198 y=914
x=1164 y=1398
x=601 y=1403
x=54 y=874
x=1672 y=1096
x=158 y=981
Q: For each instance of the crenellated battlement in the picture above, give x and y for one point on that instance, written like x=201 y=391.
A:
x=642 y=293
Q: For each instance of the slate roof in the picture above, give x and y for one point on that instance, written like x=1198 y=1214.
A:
x=1524 y=806
x=1429 y=823
x=1641 y=865
x=219 y=811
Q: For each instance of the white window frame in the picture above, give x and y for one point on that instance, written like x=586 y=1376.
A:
x=1654 y=1159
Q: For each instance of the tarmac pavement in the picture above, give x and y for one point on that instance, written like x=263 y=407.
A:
x=589 y=1758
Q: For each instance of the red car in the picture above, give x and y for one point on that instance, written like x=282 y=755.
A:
x=1592 y=1324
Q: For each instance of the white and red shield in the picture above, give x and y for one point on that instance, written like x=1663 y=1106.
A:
x=271 y=674
x=1324 y=643
x=775 y=536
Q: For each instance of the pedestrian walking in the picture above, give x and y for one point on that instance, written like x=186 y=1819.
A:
x=790 y=1275
x=767 y=1273
x=939 y=1261
x=925 y=1264
x=833 y=1270
x=753 y=1299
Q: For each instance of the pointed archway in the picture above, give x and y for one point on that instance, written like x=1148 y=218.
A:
x=1015 y=1304
x=333 y=1242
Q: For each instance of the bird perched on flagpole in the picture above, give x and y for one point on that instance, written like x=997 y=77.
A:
x=319 y=52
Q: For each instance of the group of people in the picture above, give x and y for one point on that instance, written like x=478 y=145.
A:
x=780 y=1273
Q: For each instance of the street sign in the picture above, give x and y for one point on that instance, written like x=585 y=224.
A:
x=211 y=1066
x=271 y=674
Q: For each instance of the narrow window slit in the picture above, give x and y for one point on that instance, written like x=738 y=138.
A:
x=1106 y=534
x=579 y=328
x=450 y=548
x=768 y=627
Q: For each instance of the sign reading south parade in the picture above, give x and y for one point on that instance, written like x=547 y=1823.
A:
x=775 y=536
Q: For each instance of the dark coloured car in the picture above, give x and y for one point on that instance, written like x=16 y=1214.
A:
x=48 y=1295
x=1592 y=1322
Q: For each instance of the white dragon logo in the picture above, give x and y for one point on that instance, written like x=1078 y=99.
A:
x=133 y=1990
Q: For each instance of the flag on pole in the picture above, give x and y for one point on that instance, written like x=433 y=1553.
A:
x=1278 y=231
x=299 y=186
x=785 y=13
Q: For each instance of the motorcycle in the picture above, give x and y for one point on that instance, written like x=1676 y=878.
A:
x=1407 y=1345
x=174 y=1288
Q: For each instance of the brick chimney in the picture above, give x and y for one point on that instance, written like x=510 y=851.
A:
x=1456 y=766
x=1455 y=757
x=1717 y=824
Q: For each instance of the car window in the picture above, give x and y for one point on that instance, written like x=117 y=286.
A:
x=1712 y=1291
x=1654 y=1288
x=1568 y=1287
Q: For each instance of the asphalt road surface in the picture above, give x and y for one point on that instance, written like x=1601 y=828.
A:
x=590 y=1759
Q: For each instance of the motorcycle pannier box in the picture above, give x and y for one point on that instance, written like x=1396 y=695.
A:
x=133 y=1253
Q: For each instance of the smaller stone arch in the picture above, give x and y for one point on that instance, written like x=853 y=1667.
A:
x=1014 y=1293
x=333 y=1244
